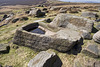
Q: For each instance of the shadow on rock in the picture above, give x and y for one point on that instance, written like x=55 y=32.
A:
x=58 y=62
x=76 y=48
x=94 y=30
x=5 y=51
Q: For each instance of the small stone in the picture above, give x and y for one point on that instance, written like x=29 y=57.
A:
x=4 y=48
x=91 y=50
x=96 y=37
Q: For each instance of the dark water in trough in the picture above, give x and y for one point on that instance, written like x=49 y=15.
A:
x=38 y=31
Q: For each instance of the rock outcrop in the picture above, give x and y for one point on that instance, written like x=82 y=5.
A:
x=96 y=37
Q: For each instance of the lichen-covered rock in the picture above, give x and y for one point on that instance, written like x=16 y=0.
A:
x=96 y=37
x=43 y=59
x=72 y=22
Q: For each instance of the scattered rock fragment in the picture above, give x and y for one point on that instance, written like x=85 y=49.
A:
x=43 y=59
x=91 y=50
x=55 y=8
x=98 y=26
x=62 y=10
x=86 y=35
x=96 y=37
x=15 y=20
x=4 y=48
x=37 y=12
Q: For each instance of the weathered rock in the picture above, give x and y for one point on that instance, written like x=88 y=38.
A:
x=94 y=10
x=9 y=18
x=97 y=20
x=97 y=64
x=86 y=62
x=27 y=12
x=86 y=35
x=72 y=37
x=45 y=9
x=4 y=48
x=43 y=59
x=37 y=12
x=90 y=15
x=73 y=11
x=96 y=37
x=98 y=26
x=77 y=63
x=62 y=10
x=5 y=16
x=48 y=20
x=15 y=20
x=24 y=18
x=72 y=22
x=91 y=50
x=55 y=8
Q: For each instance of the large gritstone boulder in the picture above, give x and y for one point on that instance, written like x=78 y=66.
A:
x=43 y=59
x=72 y=22
x=96 y=37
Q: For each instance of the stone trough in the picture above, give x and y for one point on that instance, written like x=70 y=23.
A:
x=41 y=37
